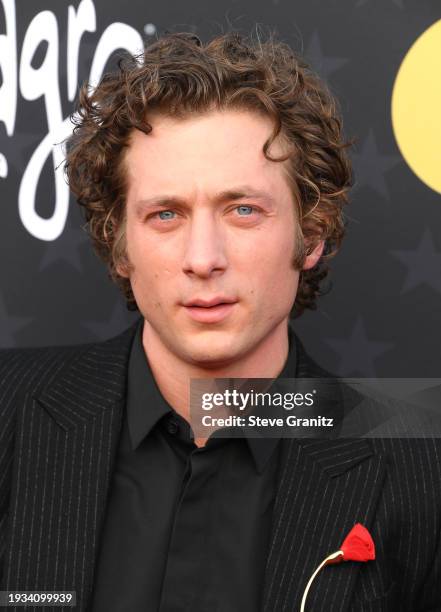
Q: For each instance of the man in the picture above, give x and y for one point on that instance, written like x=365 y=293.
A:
x=213 y=179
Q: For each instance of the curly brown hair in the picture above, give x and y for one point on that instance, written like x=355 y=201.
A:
x=178 y=75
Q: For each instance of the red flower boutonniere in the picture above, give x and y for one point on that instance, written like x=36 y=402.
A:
x=357 y=546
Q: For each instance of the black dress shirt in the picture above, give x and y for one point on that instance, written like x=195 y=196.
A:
x=186 y=528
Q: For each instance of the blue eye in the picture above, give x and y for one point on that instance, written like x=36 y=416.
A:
x=166 y=214
x=244 y=210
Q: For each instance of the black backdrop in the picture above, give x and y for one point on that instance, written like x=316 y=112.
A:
x=382 y=316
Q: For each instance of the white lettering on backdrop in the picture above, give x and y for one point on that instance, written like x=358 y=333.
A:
x=43 y=82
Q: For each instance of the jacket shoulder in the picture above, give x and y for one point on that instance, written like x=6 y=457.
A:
x=28 y=370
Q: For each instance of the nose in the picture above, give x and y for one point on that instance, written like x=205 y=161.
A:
x=204 y=254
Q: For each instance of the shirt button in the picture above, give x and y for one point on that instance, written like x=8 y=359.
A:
x=172 y=427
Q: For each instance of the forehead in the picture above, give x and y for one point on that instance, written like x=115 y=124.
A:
x=209 y=151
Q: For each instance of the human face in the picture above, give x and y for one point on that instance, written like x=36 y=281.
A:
x=211 y=235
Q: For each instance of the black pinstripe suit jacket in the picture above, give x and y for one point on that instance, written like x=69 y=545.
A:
x=60 y=417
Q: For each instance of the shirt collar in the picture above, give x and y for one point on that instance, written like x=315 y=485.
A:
x=146 y=405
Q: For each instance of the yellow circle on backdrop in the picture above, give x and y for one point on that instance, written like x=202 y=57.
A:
x=416 y=107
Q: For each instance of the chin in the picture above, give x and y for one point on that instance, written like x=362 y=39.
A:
x=211 y=354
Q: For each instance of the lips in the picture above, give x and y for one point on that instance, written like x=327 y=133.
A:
x=210 y=311
x=210 y=303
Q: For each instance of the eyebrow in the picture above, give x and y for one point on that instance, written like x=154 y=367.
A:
x=227 y=195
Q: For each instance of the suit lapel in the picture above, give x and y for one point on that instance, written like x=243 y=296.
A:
x=63 y=458
x=325 y=487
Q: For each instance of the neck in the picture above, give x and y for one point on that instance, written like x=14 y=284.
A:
x=172 y=374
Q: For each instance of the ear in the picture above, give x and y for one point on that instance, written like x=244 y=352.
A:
x=313 y=257
x=122 y=270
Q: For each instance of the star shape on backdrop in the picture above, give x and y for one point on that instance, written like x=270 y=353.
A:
x=65 y=248
x=423 y=264
x=370 y=166
x=120 y=318
x=325 y=65
x=9 y=325
x=398 y=3
x=357 y=353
